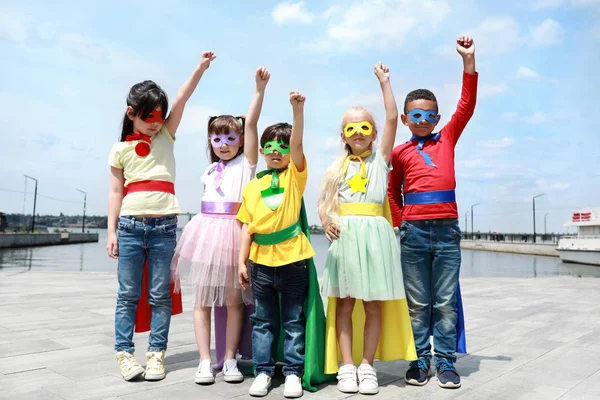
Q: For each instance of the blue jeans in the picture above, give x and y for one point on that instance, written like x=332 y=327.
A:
x=290 y=282
x=430 y=254
x=141 y=238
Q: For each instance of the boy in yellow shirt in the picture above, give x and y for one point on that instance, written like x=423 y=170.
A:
x=273 y=240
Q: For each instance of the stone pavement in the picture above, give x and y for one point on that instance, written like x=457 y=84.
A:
x=527 y=339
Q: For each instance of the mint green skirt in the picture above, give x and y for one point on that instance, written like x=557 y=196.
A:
x=364 y=263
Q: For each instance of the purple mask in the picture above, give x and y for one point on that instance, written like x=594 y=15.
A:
x=219 y=139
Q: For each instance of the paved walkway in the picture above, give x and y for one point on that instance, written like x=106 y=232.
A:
x=528 y=339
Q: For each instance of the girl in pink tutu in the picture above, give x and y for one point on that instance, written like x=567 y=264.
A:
x=208 y=249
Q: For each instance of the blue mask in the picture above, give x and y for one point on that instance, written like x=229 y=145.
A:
x=417 y=115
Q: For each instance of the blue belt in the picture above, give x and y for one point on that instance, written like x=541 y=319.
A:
x=439 y=196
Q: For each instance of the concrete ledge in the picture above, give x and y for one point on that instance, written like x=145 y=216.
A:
x=12 y=240
x=518 y=248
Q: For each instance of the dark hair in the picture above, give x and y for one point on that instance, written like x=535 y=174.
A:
x=223 y=124
x=281 y=131
x=419 y=94
x=143 y=98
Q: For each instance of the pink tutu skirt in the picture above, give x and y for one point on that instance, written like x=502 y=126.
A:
x=207 y=255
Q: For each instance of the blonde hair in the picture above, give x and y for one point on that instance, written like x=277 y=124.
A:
x=329 y=202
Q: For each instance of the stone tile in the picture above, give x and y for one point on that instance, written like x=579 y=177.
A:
x=40 y=360
x=179 y=391
x=36 y=394
x=24 y=382
x=28 y=347
x=99 y=387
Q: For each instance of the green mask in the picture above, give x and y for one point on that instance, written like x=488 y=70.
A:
x=272 y=145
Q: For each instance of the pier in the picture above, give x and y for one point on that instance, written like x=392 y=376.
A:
x=14 y=240
x=527 y=339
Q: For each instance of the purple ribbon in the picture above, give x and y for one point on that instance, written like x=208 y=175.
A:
x=220 y=207
x=220 y=167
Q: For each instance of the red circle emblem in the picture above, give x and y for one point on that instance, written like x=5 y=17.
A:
x=142 y=149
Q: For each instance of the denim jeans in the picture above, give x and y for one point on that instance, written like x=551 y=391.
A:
x=141 y=238
x=270 y=284
x=430 y=255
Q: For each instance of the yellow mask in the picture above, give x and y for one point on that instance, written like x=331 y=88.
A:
x=363 y=127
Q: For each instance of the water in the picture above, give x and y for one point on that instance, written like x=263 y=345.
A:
x=92 y=257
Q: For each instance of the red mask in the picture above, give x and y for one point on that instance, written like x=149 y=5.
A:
x=154 y=116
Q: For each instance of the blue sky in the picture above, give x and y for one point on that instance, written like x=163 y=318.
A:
x=66 y=71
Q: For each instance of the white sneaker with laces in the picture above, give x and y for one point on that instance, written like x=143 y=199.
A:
x=367 y=379
x=260 y=386
x=347 y=379
x=204 y=374
x=293 y=387
x=231 y=373
x=155 y=366
x=130 y=368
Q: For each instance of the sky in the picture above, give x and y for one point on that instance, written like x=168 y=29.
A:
x=66 y=70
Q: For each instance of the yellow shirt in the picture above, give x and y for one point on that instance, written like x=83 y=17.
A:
x=261 y=219
x=158 y=165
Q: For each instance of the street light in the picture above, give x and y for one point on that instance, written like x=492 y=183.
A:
x=466 y=224
x=34 y=202
x=473 y=226
x=84 y=203
x=535 y=197
x=545 y=231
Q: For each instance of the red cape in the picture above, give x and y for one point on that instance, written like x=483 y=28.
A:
x=144 y=310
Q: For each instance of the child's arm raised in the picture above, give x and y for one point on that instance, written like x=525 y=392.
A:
x=297 y=100
x=115 y=199
x=185 y=92
x=468 y=98
x=251 y=130
x=391 y=111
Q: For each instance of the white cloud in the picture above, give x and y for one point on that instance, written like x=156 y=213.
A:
x=195 y=119
x=332 y=11
x=488 y=90
x=333 y=144
x=470 y=163
x=367 y=100
x=538 y=118
x=526 y=73
x=82 y=46
x=12 y=26
x=509 y=116
x=499 y=144
x=560 y=186
x=547 y=33
x=496 y=35
x=379 y=24
x=595 y=31
x=530 y=138
x=537 y=4
x=290 y=13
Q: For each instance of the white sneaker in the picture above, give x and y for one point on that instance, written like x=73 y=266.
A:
x=204 y=375
x=130 y=368
x=293 y=387
x=347 y=379
x=231 y=373
x=367 y=379
x=155 y=366
x=260 y=386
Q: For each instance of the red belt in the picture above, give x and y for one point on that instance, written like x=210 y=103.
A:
x=149 y=186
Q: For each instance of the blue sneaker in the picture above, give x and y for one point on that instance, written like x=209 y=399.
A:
x=418 y=372
x=446 y=373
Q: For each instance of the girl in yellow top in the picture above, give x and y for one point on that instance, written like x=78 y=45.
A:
x=363 y=261
x=142 y=201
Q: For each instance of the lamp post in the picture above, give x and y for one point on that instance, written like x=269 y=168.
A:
x=84 y=203
x=466 y=224
x=34 y=202
x=545 y=230
x=473 y=226
x=535 y=197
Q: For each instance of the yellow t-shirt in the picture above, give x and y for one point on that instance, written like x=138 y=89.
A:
x=158 y=165
x=261 y=219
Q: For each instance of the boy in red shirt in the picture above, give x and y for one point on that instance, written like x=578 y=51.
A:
x=423 y=203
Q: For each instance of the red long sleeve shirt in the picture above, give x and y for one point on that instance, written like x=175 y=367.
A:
x=411 y=171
